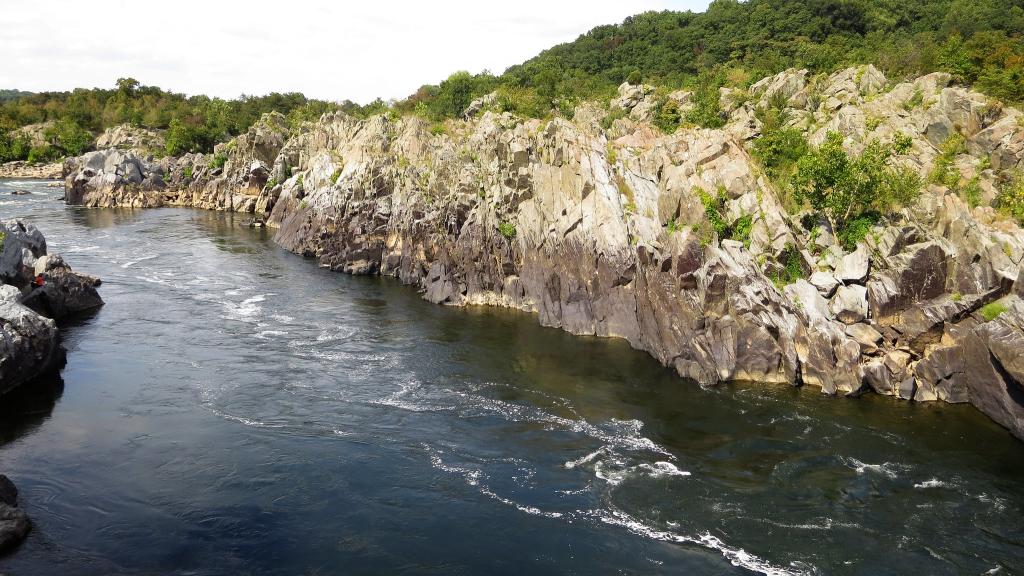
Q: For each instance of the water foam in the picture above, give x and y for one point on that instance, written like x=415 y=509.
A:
x=736 y=556
x=933 y=483
x=888 y=469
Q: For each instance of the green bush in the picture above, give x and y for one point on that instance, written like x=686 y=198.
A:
x=791 y=269
x=707 y=111
x=44 y=153
x=507 y=229
x=3 y=235
x=714 y=213
x=1011 y=199
x=993 y=310
x=335 y=175
x=945 y=172
x=713 y=206
x=614 y=114
x=523 y=102
x=915 y=100
x=634 y=77
x=13 y=147
x=453 y=95
x=71 y=138
x=972 y=192
x=741 y=229
x=846 y=190
x=778 y=148
x=187 y=173
x=667 y=115
x=218 y=161
x=857 y=229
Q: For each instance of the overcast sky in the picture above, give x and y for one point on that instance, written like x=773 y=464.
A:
x=326 y=49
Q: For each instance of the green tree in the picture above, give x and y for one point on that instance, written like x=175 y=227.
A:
x=454 y=95
x=844 y=188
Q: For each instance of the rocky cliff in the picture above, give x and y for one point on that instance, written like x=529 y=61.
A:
x=599 y=225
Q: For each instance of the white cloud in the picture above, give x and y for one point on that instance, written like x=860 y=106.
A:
x=324 y=49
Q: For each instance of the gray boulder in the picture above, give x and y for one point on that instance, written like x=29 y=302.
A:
x=825 y=283
x=14 y=523
x=854 y=266
x=28 y=343
x=850 y=304
x=22 y=245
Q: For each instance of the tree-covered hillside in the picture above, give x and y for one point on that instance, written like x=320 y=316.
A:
x=6 y=95
x=732 y=43
x=194 y=123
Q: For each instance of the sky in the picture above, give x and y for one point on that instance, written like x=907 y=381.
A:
x=324 y=49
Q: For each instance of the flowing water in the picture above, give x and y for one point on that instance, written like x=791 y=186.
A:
x=234 y=409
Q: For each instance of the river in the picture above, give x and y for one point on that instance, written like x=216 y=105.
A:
x=236 y=409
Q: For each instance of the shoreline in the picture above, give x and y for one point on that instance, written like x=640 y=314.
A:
x=23 y=170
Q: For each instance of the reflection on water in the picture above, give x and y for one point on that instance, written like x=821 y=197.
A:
x=235 y=409
x=25 y=409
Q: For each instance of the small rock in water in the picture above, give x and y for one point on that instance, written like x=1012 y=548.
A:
x=14 y=524
x=20 y=192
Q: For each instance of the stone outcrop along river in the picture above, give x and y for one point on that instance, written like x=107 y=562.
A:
x=29 y=342
x=602 y=230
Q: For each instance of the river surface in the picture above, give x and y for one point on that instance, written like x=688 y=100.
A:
x=234 y=409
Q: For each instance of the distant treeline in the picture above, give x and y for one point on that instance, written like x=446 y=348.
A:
x=732 y=43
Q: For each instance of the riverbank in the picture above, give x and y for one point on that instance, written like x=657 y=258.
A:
x=679 y=243
x=35 y=171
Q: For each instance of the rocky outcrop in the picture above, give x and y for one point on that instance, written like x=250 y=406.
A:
x=231 y=178
x=14 y=523
x=605 y=231
x=127 y=137
x=29 y=343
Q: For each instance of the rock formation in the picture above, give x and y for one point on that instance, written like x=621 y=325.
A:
x=604 y=231
x=29 y=344
x=14 y=523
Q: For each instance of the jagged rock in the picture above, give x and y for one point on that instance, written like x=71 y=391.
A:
x=113 y=177
x=630 y=95
x=8 y=491
x=825 y=283
x=28 y=343
x=854 y=266
x=22 y=245
x=850 y=304
x=916 y=274
x=787 y=86
x=478 y=105
x=127 y=137
x=866 y=336
x=64 y=293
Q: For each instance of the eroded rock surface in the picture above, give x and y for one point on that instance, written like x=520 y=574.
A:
x=603 y=231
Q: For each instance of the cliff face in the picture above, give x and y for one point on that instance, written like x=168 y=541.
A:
x=604 y=231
